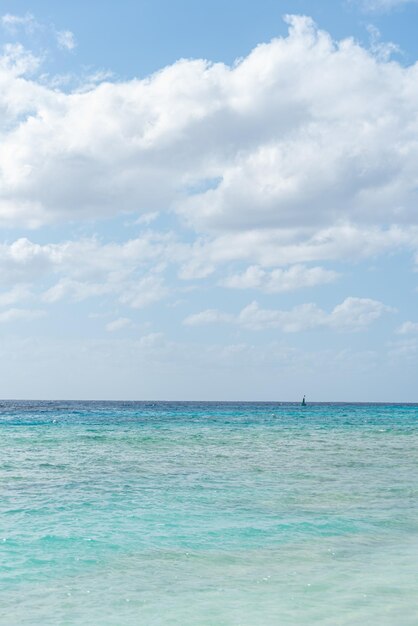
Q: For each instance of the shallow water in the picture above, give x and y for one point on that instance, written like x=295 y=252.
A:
x=208 y=514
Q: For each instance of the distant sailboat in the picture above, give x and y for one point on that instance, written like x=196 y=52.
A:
x=303 y=401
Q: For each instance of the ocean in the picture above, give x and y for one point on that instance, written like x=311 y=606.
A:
x=208 y=514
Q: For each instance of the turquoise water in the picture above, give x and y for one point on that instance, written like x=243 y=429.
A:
x=208 y=514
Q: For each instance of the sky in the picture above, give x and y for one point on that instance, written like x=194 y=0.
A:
x=209 y=200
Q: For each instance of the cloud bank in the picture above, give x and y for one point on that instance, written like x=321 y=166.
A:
x=301 y=153
x=304 y=137
x=352 y=314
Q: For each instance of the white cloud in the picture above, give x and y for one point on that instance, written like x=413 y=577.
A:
x=15 y=62
x=210 y=316
x=147 y=218
x=384 y=5
x=90 y=258
x=14 y=295
x=382 y=50
x=280 y=280
x=144 y=292
x=234 y=151
x=77 y=290
x=357 y=313
x=352 y=314
x=405 y=349
x=152 y=341
x=300 y=154
x=270 y=247
x=245 y=139
x=118 y=324
x=300 y=318
x=12 y=315
x=134 y=272
x=66 y=39
x=135 y=293
x=12 y=22
x=407 y=327
x=130 y=271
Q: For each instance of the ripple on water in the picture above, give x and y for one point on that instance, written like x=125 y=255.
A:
x=208 y=514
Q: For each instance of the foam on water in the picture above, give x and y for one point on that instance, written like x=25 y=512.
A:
x=207 y=514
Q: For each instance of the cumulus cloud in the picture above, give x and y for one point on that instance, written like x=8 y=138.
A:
x=275 y=247
x=306 y=140
x=77 y=290
x=407 y=328
x=15 y=62
x=301 y=153
x=352 y=314
x=280 y=280
x=144 y=292
x=132 y=272
x=14 y=295
x=382 y=50
x=210 y=316
x=135 y=272
x=90 y=258
x=404 y=349
x=118 y=324
x=12 y=22
x=66 y=39
x=12 y=315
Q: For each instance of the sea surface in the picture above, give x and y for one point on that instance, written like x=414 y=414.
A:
x=208 y=514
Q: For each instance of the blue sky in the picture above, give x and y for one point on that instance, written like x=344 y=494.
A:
x=209 y=200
